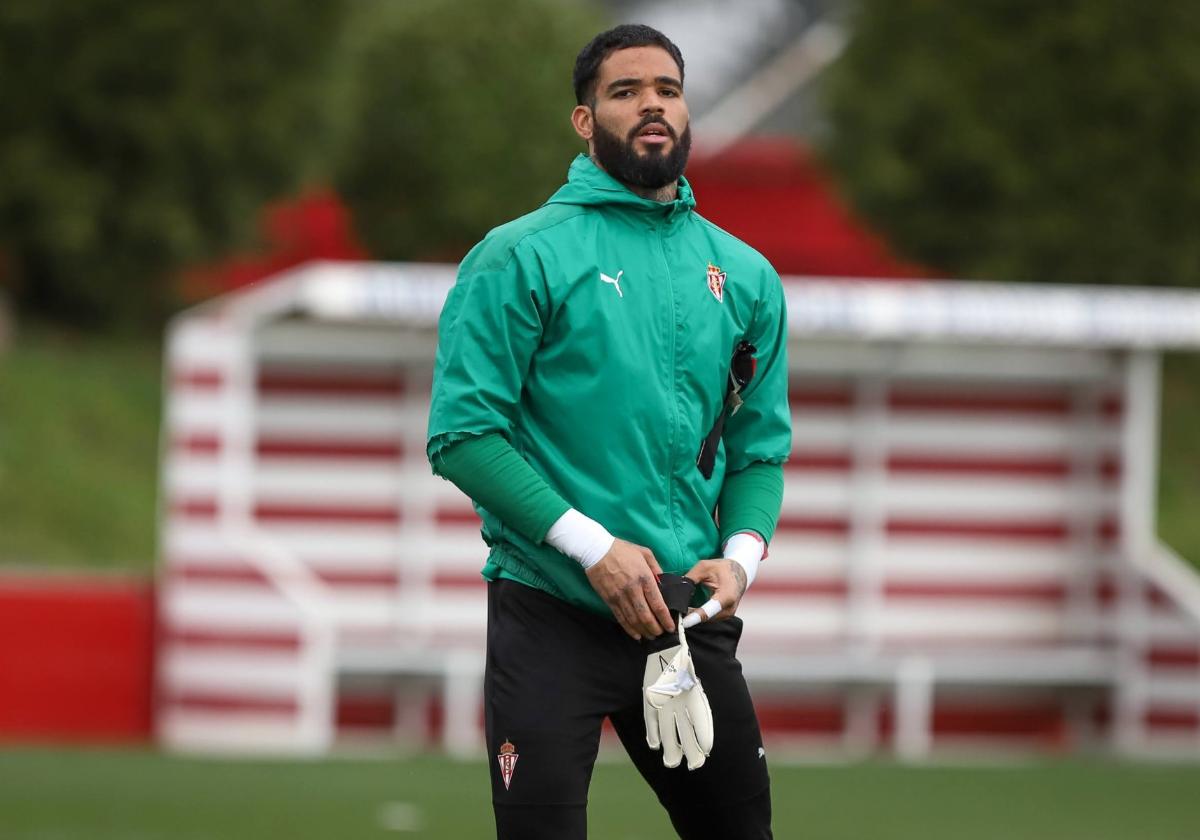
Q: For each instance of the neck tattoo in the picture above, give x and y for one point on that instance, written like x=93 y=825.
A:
x=663 y=194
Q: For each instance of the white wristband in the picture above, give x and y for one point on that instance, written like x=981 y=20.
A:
x=745 y=549
x=582 y=539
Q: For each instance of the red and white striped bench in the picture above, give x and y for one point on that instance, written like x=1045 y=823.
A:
x=949 y=563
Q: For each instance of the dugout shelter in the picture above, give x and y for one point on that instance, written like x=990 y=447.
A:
x=966 y=556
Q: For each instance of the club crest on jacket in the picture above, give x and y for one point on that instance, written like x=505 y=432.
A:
x=716 y=282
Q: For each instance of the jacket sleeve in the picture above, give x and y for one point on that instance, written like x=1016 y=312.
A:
x=750 y=501
x=498 y=479
x=489 y=328
x=761 y=430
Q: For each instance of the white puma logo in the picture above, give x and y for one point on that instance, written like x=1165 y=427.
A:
x=616 y=281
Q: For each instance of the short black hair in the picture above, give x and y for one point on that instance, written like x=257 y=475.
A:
x=587 y=64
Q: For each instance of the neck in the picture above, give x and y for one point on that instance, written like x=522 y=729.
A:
x=663 y=194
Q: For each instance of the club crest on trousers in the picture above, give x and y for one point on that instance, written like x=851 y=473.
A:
x=508 y=762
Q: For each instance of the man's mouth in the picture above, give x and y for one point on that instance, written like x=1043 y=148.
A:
x=654 y=134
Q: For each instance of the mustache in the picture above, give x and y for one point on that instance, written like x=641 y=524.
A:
x=650 y=119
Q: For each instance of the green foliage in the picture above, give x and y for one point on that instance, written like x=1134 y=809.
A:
x=463 y=118
x=1025 y=140
x=142 y=135
x=78 y=452
x=1179 y=480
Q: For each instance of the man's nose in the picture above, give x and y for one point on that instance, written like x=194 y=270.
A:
x=651 y=103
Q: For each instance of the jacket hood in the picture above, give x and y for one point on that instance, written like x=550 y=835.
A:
x=589 y=185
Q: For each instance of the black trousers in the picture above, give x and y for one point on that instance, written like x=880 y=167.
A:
x=554 y=672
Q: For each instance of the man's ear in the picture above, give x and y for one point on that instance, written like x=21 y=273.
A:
x=583 y=120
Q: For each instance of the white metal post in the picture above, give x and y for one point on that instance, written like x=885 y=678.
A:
x=914 y=708
x=1139 y=472
x=868 y=485
x=864 y=583
x=461 y=735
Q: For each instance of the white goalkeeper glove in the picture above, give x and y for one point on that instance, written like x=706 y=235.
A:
x=678 y=717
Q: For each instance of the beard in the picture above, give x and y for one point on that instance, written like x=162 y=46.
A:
x=655 y=169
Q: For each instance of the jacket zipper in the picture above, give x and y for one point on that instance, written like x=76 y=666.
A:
x=673 y=394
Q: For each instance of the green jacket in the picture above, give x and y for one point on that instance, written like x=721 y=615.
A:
x=595 y=334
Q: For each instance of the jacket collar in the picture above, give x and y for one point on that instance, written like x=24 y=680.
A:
x=588 y=184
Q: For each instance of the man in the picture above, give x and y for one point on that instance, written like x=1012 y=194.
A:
x=582 y=399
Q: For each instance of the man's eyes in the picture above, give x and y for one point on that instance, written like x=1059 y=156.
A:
x=626 y=93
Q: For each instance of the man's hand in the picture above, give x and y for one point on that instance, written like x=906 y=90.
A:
x=626 y=579
x=726 y=579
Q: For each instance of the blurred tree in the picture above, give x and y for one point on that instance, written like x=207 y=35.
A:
x=463 y=118
x=141 y=135
x=1025 y=140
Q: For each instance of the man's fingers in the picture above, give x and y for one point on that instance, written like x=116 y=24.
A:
x=625 y=579
x=715 y=575
x=629 y=629
x=646 y=619
x=698 y=573
x=636 y=608
x=706 y=612
x=658 y=606
x=661 y=615
x=621 y=613
x=651 y=561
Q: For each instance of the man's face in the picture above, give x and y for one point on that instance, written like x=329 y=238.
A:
x=639 y=127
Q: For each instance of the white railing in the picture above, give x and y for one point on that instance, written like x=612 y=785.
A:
x=1175 y=576
x=297 y=582
x=289 y=576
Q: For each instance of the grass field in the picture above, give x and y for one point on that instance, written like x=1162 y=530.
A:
x=140 y=795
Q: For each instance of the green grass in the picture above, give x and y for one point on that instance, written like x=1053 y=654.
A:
x=79 y=423
x=138 y=795
x=78 y=451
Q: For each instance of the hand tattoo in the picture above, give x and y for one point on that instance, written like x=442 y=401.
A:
x=739 y=574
